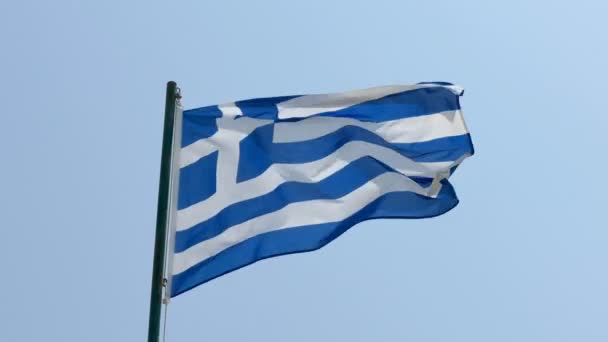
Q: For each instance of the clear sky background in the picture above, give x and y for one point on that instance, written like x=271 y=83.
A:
x=522 y=258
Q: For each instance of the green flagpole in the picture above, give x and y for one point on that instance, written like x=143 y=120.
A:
x=162 y=214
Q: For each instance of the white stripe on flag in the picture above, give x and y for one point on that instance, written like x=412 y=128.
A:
x=409 y=130
x=308 y=105
x=230 y=110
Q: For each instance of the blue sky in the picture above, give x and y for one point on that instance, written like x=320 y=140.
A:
x=522 y=258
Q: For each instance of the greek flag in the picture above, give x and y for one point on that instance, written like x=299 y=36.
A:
x=272 y=176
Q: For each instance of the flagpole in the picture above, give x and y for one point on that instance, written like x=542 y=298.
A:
x=162 y=214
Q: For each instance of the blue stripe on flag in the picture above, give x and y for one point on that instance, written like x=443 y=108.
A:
x=312 y=237
x=442 y=149
x=406 y=104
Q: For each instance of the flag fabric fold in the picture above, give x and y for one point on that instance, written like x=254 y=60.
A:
x=273 y=176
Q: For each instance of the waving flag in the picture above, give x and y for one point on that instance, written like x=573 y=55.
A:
x=272 y=176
